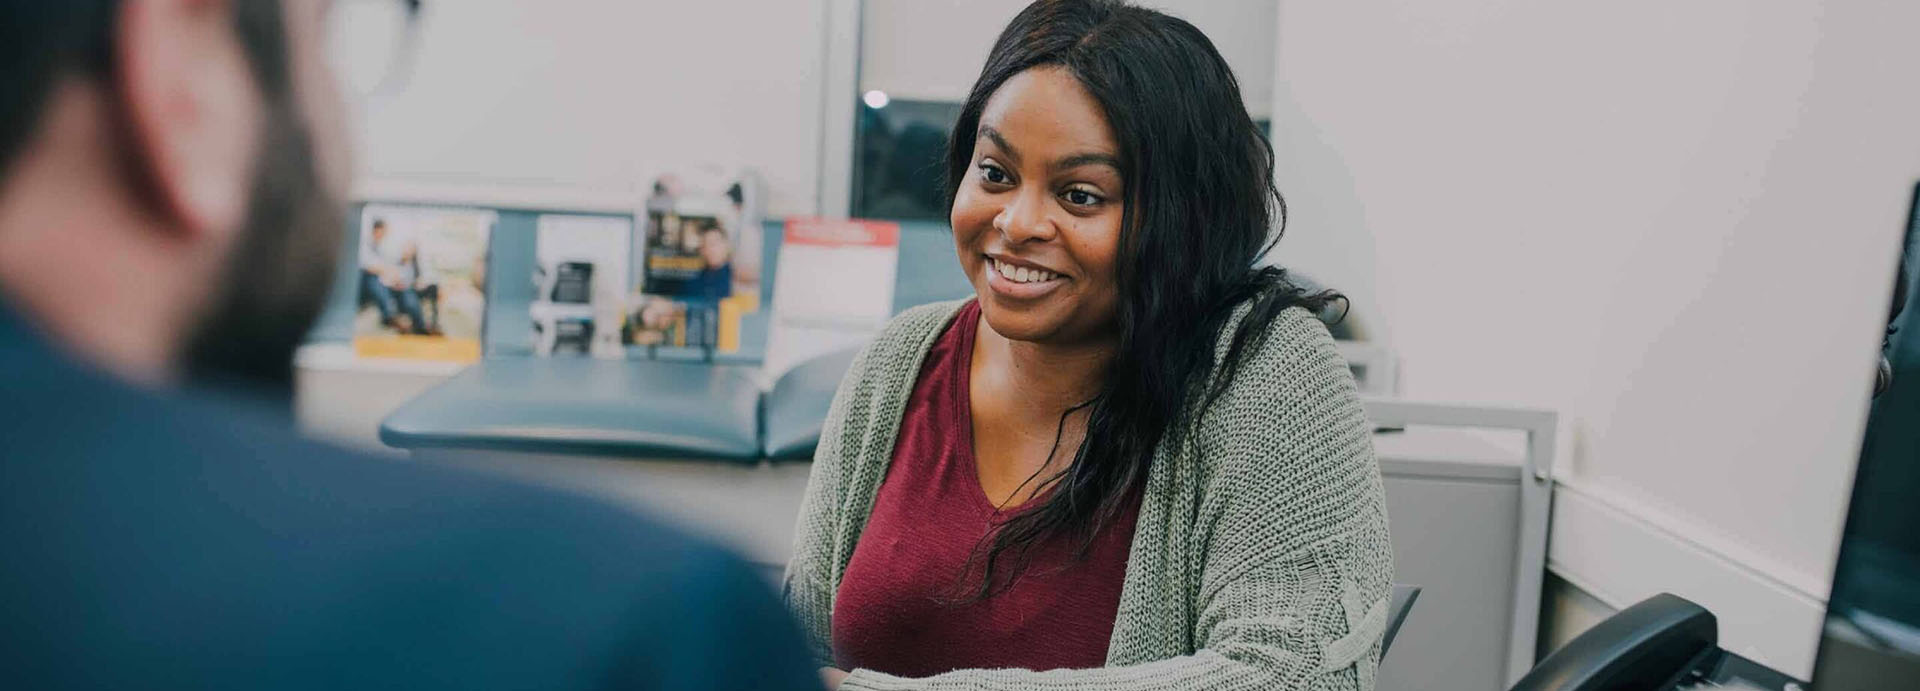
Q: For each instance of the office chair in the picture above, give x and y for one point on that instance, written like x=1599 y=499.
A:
x=1397 y=609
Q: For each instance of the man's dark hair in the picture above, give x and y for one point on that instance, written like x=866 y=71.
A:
x=44 y=40
x=282 y=264
x=40 y=41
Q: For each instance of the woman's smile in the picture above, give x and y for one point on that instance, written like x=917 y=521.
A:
x=1018 y=279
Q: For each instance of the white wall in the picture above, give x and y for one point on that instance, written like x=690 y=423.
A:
x=584 y=101
x=1673 y=222
x=591 y=98
x=932 y=50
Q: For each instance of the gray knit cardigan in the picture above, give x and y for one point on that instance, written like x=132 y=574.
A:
x=1260 y=559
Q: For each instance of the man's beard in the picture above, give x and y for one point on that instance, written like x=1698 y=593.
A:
x=280 y=272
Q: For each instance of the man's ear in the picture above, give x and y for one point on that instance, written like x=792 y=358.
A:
x=192 y=109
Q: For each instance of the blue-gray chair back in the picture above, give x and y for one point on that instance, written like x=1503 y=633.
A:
x=1397 y=609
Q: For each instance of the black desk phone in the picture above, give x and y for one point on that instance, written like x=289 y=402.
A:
x=1664 y=642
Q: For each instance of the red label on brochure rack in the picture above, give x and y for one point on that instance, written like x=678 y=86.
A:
x=824 y=232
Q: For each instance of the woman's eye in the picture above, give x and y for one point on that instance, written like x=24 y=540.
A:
x=1082 y=198
x=993 y=174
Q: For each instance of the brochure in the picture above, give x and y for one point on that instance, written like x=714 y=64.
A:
x=834 y=290
x=422 y=282
x=700 y=258
x=580 y=280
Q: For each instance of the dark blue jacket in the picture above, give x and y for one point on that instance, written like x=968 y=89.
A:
x=157 y=540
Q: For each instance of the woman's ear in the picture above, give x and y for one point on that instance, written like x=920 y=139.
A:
x=191 y=109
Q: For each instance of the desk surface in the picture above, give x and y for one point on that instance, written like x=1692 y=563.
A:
x=638 y=409
x=587 y=406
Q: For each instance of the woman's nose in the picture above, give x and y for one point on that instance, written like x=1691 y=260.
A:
x=1024 y=219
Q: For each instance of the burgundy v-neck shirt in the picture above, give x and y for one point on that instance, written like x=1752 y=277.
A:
x=900 y=609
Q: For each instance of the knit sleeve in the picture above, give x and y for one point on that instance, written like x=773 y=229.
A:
x=807 y=586
x=1294 y=565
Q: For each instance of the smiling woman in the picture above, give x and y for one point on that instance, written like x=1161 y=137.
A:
x=1133 y=459
x=1039 y=226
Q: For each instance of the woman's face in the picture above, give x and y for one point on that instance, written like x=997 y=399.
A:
x=1036 y=220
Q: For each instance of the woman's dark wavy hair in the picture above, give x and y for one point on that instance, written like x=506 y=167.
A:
x=1199 y=215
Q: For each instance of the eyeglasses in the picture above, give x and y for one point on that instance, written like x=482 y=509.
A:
x=371 y=44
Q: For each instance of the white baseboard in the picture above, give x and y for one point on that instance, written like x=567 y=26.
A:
x=1621 y=550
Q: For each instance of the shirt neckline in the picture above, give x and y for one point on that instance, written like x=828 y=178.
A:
x=963 y=394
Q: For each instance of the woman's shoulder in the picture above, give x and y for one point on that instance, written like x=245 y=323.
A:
x=1293 y=344
x=910 y=332
x=893 y=356
x=1291 y=386
x=877 y=385
x=1285 y=454
x=920 y=322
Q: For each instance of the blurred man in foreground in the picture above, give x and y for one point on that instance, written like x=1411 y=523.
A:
x=170 y=174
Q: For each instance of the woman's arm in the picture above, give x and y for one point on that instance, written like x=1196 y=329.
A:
x=807 y=586
x=1296 y=573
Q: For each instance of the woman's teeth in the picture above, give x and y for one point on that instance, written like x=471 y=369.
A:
x=1021 y=274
